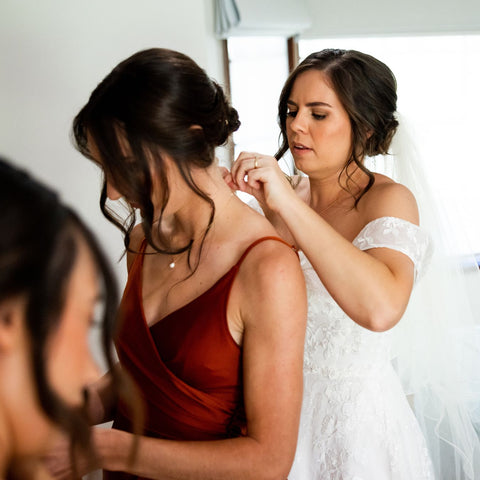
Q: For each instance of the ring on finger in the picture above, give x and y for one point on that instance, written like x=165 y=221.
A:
x=255 y=163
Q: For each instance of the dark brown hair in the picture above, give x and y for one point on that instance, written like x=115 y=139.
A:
x=145 y=107
x=366 y=87
x=38 y=249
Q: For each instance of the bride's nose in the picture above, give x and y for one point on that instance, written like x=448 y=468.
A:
x=299 y=124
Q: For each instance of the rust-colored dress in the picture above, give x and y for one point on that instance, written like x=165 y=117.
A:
x=187 y=365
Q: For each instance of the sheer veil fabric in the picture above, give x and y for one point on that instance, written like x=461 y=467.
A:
x=437 y=342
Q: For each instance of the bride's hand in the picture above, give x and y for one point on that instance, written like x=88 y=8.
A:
x=260 y=176
x=227 y=178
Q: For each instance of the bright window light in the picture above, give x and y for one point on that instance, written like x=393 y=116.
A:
x=438 y=93
x=258 y=70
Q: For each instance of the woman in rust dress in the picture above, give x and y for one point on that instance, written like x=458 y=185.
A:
x=214 y=311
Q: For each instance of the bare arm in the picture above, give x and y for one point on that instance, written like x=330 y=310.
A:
x=270 y=293
x=373 y=287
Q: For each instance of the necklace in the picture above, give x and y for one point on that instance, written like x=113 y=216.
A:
x=324 y=209
x=180 y=255
x=173 y=262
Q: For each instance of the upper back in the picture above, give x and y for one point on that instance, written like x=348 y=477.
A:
x=165 y=289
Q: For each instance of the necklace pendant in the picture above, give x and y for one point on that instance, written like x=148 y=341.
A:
x=171 y=264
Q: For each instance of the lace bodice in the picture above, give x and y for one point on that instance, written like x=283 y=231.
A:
x=356 y=423
x=336 y=346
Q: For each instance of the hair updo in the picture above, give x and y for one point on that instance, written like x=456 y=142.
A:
x=366 y=88
x=156 y=101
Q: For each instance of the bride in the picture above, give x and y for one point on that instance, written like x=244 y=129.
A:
x=362 y=251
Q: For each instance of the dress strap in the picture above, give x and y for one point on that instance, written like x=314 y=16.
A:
x=143 y=246
x=260 y=240
x=138 y=260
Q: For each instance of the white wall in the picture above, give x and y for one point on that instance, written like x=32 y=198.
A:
x=54 y=52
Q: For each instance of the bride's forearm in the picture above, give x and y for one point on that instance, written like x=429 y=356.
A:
x=363 y=284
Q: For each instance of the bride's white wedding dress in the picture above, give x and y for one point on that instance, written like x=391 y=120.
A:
x=356 y=421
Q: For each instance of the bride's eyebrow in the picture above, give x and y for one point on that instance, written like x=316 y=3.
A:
x=318 y=104
x=310 y=104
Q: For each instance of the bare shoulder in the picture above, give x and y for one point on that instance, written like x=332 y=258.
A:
x=271 y=251
x=270 y=264
x=271 y=290
x=387 y=198
x=266 y=258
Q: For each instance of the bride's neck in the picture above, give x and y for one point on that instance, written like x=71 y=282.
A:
x=336 y=188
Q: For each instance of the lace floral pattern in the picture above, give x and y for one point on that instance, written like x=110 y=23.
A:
x=356 y=423
x=400 y=235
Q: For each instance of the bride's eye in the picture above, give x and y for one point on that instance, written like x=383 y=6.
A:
x=291 y=113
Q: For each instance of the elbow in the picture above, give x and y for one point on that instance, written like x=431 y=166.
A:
x=383 y=317
x=380 y=326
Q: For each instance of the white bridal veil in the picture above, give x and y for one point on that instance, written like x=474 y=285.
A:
x=437 y=342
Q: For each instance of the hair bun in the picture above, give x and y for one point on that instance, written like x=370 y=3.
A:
x=224 y=118
x=379 y=143
x=232 y=122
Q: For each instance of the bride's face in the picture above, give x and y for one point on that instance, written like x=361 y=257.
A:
x=319 y=131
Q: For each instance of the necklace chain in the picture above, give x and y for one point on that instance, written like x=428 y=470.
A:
x=331 y=204
x=173 y=263
x=324 y=209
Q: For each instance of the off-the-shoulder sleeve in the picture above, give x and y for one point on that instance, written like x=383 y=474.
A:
x=400 y=235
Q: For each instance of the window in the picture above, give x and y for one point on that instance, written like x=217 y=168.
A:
x=438 y=93
x=258 y=70
x=438 y=78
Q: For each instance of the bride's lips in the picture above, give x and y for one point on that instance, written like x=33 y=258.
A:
x=300 y=149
